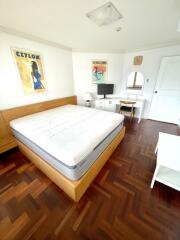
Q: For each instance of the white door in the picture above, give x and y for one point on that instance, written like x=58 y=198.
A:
x=165 y=104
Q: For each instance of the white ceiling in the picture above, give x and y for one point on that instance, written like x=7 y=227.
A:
x=145 y=23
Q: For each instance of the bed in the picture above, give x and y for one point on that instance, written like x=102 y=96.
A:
x=70 y=144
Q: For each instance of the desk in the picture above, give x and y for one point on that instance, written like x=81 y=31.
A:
x=112 y=104
x=168 y=161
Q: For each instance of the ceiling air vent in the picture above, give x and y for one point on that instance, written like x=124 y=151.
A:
x=104 y=15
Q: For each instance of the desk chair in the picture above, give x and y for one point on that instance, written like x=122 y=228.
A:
x=127 y=108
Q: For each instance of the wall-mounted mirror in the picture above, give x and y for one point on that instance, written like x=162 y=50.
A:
x=135 y=81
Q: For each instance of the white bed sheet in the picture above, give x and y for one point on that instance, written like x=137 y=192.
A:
x=69 y=133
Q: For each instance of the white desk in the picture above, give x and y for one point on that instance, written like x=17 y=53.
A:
x=168 y=161
x=110 y=104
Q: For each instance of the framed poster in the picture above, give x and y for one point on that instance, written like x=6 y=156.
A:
x=30 y=68
x=138 y=60
x=99 y=71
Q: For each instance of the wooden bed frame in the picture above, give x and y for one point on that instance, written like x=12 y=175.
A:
x=74 y=189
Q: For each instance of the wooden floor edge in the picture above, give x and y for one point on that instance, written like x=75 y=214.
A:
x=74 y=189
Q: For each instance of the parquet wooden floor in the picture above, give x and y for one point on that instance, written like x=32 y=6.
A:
x=118 y=205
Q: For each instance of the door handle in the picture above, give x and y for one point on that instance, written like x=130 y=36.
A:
x=155 y=91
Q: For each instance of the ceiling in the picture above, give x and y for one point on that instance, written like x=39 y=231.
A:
x=145 y=23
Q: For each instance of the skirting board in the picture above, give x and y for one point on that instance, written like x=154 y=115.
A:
x=74 y=189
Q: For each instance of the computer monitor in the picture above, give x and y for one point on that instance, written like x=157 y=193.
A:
x=104 y=89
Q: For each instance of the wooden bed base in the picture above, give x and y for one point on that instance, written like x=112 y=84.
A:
x=74 y=189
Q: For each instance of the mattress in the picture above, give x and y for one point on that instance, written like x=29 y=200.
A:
x=70 y=138
x=77 y=171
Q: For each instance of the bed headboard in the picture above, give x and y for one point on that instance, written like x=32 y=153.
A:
x=6 y=139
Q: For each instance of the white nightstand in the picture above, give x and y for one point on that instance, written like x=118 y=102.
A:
x=168 y=161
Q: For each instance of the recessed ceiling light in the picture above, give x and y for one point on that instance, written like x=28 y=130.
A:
x=105 y=14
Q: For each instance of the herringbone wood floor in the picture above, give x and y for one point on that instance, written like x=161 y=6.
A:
x=118 y=205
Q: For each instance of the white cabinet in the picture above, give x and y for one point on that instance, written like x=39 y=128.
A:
x=105 y=104
x=110 y=104
x=99 y=104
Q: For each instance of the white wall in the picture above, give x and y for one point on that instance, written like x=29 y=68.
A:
x=59 y=71
x=119 y=66
x=57 y=66
x=150 y=68
x=83 y=72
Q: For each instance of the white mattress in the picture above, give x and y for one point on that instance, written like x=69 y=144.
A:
x=69 y=133
x=73 y=172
